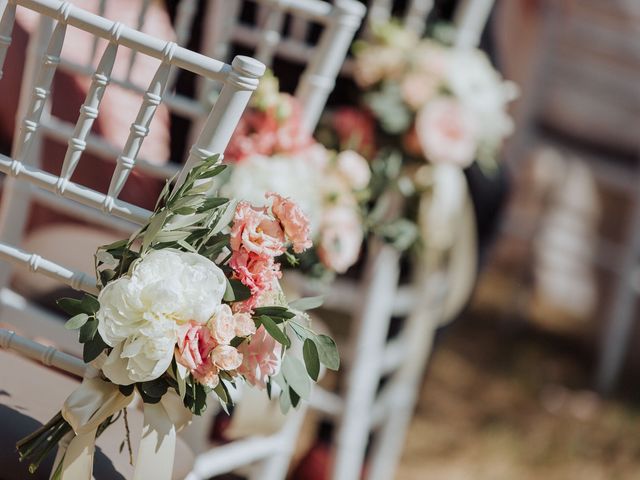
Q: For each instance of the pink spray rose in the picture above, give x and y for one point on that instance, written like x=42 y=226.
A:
x=418 y=88
x=293 y=220
x=195 y=344
x=341 y=238
x=245 y=325
x=223 y=325
x=254 y=230
x=260 y=358
x=446 y=132
x=226 y=357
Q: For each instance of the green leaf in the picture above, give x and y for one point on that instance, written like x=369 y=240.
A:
x=327 y=352
x=71 y=306
x=126 y=390
x=76 y=321
x=285 y=401
x=93 y=349
x=272 y=328
x=308 y=303
x=236 y=291
x=154 y=226
x=155 y=388
x=311 y=358
x=88 y=330
x=295 y=398
x=90 y=304
x=106 y=276
x=212 y=202
x=174 y=236
x=225 y=218
x=296 y=376
x=213 y=172
x=182 y=221
x=275 y=312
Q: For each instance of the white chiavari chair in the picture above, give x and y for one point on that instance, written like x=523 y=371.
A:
x=322 y=61
x=439 y=288
x=238 y=80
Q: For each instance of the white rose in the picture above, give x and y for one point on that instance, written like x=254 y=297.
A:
x=354 y=168
x=139 y=314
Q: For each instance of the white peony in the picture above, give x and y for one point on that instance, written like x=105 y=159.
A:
x=288 y=176
x=139 y=314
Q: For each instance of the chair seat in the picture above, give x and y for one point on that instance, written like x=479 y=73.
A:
x=30 y=394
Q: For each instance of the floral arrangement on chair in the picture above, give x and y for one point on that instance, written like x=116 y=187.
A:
x=422 y=103
x=188 y=305
x=435 y=101
x=271 y=152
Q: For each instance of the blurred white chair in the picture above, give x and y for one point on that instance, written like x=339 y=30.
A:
x=440 y=286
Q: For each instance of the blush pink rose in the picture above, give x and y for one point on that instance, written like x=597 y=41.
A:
x=209 y=377
x=256 y=231
x=340 y=238
x=226 y=357
x=195 y=343
x=353 y=168
x=446 y=132
x=260 y=358
x=245 y=325
x=223 y=325
x=418 y=88
x=293 y=220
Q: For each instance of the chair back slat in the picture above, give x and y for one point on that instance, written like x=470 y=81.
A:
x=88 y=113
x=471 y=16
x=239 y=80
x=265 y=36
x=139 y=129
x=6 y=29
x=415 y=18
x=40 y=93
x=140 y=22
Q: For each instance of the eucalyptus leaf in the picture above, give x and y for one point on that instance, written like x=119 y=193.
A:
x=296 y=376
x=225 y=218
x=272 y=329
x=308 y=303
x=92 y=349
x=311 y=358
x=76 y=321
x=88 y=330
x=71 y=306
x=327 y=352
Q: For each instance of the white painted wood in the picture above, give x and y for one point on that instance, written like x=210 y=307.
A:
x=470 y=19
x=48 y=356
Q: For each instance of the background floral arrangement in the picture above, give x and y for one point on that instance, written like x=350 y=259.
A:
x=272 y=153
x=445 y=104
x=191 y=304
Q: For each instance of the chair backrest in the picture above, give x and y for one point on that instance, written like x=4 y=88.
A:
x=285 y=29
x=238 y=79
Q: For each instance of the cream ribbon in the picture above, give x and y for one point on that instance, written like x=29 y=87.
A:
x=93 y=402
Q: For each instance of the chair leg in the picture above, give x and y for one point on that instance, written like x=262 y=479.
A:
x=405 y=384
x=369 y=335
x=276 y=466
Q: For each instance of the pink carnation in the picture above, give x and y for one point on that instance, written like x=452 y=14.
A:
x=254 y=230
x=260 y=358
x=293 y=219
x=257 y=272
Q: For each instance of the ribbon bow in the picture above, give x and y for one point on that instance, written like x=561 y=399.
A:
x=92 y=403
